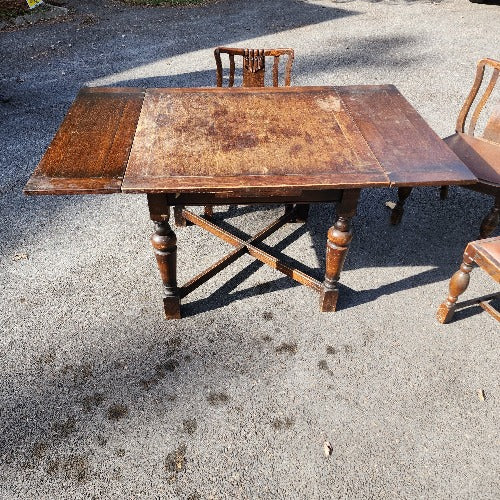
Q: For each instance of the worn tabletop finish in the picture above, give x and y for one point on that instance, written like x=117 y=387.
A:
x=219 y=139
x=89 y=152
x=208 y=139
x=199 y=146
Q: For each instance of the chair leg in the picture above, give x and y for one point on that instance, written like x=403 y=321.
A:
x=301 y=212
x=398 y=210
x=490 y=222
x=458 y=284
x=443 y=192
x=180 y=220
x=208 y=211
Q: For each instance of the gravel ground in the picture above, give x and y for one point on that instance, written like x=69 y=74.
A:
x=101 y=397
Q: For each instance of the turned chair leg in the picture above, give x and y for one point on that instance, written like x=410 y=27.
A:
x=490 y=222
x=458 y=284
x=398 y=210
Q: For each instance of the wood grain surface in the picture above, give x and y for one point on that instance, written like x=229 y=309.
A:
x=482 y=156
x=242 y=142
x=89 y=152
x=410 y=152
x=206 y=139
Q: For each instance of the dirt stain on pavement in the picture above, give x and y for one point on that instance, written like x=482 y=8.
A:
x=331 y=350
x=161 y=370
x=267 y=315
x=73 y=467
x=289 y=348
x=117 y=411
x=64 y=429
x=190 y=426
x=283 y=423
x=92 y=401
x=217 y=398
x=322 y=364
x=175 y=462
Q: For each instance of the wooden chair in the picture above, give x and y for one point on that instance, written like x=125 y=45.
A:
x=254 y=65
x=486 y=254
x=253 y=73
x=480 y=154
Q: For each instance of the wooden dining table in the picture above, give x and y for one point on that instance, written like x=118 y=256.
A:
x=217 y=146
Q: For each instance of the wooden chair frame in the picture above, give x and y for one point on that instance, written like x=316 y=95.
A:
x=491 y=134
x=254 y=65
x=483 y=253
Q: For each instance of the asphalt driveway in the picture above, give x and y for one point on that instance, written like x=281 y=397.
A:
x=101 y=397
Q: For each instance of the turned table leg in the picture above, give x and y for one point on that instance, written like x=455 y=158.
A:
x=339 y=236
x=458 y=284
x=490 y=222
x=398 y=210
x=164 y=243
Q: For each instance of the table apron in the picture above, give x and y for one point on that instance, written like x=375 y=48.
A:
x=239 y=198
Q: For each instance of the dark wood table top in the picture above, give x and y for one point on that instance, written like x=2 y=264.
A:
x=243 y=139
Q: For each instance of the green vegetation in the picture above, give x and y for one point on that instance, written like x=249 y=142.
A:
x=172 y=3
x=8 y=13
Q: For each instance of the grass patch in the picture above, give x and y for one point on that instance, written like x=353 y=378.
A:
x=9 y=12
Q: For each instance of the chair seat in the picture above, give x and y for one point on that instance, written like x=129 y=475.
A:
x=487 y=256
x=481 y=156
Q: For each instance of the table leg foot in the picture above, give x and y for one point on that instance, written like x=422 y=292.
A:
x=172 y=307
x=328 y=299
x=180 y=220
x=338 y=239
x=302 y=211
x=398 y=210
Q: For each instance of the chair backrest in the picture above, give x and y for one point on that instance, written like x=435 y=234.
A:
x=254 y=65
x=492 y=128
